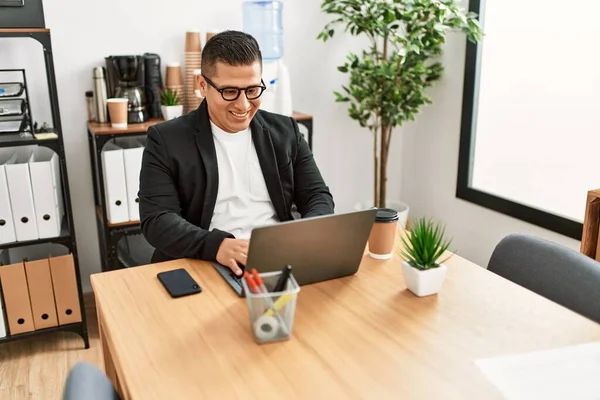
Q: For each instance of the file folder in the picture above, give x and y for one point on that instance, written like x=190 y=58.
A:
x=16 y=298
x=21 y=195
x=133 y=149
x=47 y=192
x=115 y=186
x=66 y=294
x=41 y=293
x=7 y=225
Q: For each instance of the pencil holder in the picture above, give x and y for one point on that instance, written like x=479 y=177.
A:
x=271 y=313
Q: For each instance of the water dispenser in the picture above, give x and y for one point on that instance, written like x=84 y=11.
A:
x=264 y=21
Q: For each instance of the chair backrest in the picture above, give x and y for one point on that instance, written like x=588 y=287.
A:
x=554 y=271
x=86 y=381
x=134 y=250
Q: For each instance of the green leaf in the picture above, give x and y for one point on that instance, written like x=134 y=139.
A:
x=390 y=16
x=340 y=98
x=424 y=246
x=392 y=88
x=169 y=97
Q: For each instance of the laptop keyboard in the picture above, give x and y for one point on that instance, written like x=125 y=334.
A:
x=233 y=280
x=236 y=279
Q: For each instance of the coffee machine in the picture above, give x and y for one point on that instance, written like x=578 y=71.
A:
x=125 y=78
x=153 y=84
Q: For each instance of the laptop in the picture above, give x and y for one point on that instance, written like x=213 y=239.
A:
x=318 y=248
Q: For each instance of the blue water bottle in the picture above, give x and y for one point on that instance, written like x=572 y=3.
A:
x=264 y=21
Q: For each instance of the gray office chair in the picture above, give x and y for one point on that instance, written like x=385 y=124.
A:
x=134 y=250
x=556 y=272
x=86 y=381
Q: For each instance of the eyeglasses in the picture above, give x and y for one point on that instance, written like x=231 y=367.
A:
x=232 y=93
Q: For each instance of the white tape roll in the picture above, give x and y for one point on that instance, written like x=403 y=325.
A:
x=266 y=328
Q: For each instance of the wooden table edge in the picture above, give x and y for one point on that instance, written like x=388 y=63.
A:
x=110 y=364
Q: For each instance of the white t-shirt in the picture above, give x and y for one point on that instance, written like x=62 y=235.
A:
x=243 y=201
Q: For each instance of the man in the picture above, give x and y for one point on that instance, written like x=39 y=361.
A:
x=210 y=176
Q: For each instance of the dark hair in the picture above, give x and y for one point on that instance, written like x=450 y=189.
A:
x=233 y=48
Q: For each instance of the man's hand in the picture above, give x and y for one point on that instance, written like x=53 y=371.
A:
x=231 y=252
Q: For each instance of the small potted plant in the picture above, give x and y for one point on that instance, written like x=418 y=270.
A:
x=424 y=271
x=171 y=106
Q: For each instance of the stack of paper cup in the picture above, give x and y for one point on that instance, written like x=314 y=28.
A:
x=174 y=79
x=193 y=60
x=210 y=34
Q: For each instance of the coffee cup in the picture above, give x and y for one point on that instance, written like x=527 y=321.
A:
x=174 y=74
x=117 y=111
x=383 y=234
x=210 y=34
x=192 y=42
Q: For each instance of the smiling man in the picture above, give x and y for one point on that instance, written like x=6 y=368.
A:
x=209 y=177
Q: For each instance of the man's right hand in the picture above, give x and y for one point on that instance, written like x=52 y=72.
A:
x=231 y=252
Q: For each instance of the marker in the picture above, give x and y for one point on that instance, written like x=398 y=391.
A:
x=251 y=283
x=283 y=278
x=278 y=305
x=259 y=281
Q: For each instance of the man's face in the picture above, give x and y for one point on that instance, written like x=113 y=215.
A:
x=232 y=116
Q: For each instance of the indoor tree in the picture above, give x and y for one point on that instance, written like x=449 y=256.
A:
x=388 y=79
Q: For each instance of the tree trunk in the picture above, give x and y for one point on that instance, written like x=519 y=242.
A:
x=375 y=171
x=383 y=147
x=383 y=166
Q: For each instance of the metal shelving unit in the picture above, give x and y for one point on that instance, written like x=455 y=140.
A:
x=67 y=235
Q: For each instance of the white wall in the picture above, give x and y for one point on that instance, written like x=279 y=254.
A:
x=430 y=164
x=85 y=31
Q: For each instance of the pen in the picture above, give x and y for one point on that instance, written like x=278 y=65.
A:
x=283 y=278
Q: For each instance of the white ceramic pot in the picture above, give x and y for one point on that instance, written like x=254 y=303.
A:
x=402 y=208
x=424 y=282
x=171 y=112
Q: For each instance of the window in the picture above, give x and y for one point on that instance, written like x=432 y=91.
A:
x=530 y=135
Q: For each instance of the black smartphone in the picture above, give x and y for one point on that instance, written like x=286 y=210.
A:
x=178 y=282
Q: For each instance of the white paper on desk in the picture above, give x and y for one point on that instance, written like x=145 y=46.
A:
x=566 y=373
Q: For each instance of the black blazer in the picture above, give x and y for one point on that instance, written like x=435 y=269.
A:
x=179 y=181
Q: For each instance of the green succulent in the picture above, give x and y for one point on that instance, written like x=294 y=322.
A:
x=169 y=97
x=425 y=244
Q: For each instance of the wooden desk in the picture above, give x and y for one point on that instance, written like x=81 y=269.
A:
x=363 y=336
